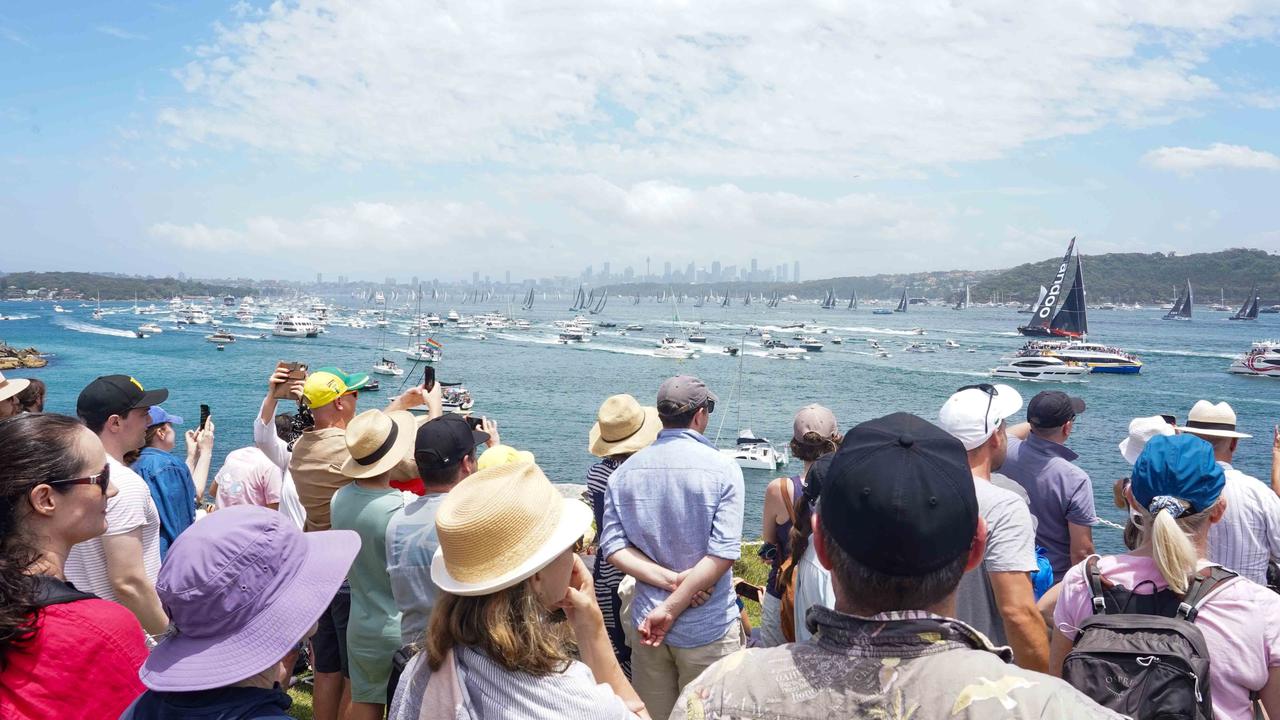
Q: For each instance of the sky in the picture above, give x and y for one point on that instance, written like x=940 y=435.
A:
x=380 y=138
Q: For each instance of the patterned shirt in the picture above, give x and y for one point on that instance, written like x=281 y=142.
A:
x=1248 y=535
x=895 y=665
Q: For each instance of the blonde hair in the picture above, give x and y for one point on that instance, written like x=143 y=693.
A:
x=511 y=626
x=1171 y=544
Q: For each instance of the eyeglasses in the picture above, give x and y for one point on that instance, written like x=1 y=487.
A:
x=102 y=480
x=991 y=392
x=710 y=406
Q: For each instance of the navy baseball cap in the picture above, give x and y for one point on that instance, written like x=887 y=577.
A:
x=115 y=395
x=899 y=496
x=1177 y=466
x=443 y=442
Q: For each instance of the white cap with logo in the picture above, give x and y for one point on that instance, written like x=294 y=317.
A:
x=974 y=412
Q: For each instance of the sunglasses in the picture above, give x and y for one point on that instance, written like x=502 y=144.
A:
x=102 y=480
x=991 y=392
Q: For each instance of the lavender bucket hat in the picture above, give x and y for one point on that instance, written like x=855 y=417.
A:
x=241 y=588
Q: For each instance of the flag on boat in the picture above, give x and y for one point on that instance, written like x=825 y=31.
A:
x=432 y=342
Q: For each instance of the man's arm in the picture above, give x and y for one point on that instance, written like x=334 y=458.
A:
x=417 y=396
x=1023 y=624
x=204 y=458
x=1275 y=461
x=639 y=566
x=1081 y=542
x=129 y=580
x=706 y=573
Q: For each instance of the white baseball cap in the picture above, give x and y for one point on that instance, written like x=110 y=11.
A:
x=974 y=412
x=1142 y=430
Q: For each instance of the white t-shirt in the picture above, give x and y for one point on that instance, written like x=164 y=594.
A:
x=813 y=587
x=132 y=508
x=277 y=450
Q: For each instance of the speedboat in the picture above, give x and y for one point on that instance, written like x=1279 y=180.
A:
x=672 y=348
x=756 y=453
x=697 y=337
x=1094 y=356
x=783 y=352
x=882 y=311
x=571 y=336
x=60 y=309
x=387 y=367
x=221 y=337
x=917 y=331
x=635 y=328
x=288 y=325
x=455 y=398
x=150 y=329
x=950 y=344
x=1039 y=368
x=811 y=344
x=837 y=341
x=916 y=347
x=1262 y=360
x=730 y=350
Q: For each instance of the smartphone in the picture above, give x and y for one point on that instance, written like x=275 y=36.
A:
x=1171 y=419
x=475 y=421
x=297 y=371
x=429 y=378
x=747 y=591
x=204 y=415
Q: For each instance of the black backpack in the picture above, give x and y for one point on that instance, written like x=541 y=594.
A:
x=1142 y=655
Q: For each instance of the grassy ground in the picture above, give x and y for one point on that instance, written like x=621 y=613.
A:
x=301 y=708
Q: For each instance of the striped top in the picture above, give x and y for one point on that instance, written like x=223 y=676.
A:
x=1249 y=533
x=604 y=574
x=131 y=509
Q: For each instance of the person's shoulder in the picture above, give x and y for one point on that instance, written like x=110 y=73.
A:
x=94 y=620
x=970 y=679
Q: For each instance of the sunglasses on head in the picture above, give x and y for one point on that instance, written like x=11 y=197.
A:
x=102 y=480
x=991 y=392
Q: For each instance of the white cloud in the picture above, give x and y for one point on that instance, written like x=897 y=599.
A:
x=119 y=33
x=1185 y=160
x=707 y=89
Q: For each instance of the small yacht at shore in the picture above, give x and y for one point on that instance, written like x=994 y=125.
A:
x=756 y=453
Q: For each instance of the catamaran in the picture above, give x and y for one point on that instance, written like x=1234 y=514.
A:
x=1263 y=360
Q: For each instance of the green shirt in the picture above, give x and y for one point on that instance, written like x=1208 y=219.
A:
x=375 y=619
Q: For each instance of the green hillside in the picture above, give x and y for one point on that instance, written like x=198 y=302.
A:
x=114 y=287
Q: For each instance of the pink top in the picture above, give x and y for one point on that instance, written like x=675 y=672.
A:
x=1240 y=622
x=248 y=477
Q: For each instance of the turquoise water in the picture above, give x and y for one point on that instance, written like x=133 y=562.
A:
x=544 y=394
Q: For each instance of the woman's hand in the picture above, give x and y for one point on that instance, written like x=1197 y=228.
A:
x=579 y=603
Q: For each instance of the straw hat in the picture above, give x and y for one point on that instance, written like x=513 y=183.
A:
x=500 y=526
x=9 y=388
x=378 y=441
x=623 y=426
x=1209 y=420
x=1141 y=430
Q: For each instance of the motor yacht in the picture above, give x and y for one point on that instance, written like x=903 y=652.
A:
x=455 y=398
x=756 y=453
x=571 y=336
x=635 y=328
x=150 y=329
x=453 y=316
x=673 y=348
x=697 y=337
x=289 y=325
x=1039 y=368
x=387 y=367
x=1262 y=360
x=1096 y=357
x=950 y=344
x=809 y=344
x=221 y=337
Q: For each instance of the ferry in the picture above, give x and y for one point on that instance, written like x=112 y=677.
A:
x=288 y=325
x=1262 y=360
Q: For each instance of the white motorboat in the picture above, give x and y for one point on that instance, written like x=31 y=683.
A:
x=809 y=344
x=60 y=309
x=783 y=352
x=916 y=347
x=426 y=353
x=756 y=453
x=917 y=331
x=571 y=336
x=196 y=316
x=837 y=341
x=950 y=344
x=455 y=398
x=635 y=328
x=672 y=348
x=150 y=329
x=1262 y=360
x=289 y=325
x=730 y=350
x=1039 y=368
x=221 y=337
x=453 y=316
x=387 y=367
x=697 y=337
x=1096 y=357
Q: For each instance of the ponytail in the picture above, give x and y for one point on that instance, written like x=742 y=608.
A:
x=1171 y=544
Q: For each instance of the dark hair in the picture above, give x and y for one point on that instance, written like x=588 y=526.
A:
x=36 y=450
x=813 y=446
x=802 y=528
x=870 y=592
x=95 y=423
x=287 y=427
x=677 y=420
x=150 y=435
x=444 y=476
x=32 y=396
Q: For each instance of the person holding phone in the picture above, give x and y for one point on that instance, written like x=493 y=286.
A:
x=175 y=486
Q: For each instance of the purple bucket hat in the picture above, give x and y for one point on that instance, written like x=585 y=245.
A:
x=241 y=588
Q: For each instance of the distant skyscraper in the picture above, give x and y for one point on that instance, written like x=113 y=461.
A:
x=715 y=271
x=795 y=271
x=647 y=273
x=604 y=272
x=755 y=271
x=415 y=281
x=475 y=277
x=391 y=281
x=666 y=271
x=690 y=273
x=319 y=278
x=586 y=274
x=628 y=273
x=508 y=277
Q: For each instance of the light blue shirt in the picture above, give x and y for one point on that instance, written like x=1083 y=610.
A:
x=411 y=542
x=678 y=501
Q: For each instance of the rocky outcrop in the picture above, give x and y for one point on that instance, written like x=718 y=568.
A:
x=12 y=358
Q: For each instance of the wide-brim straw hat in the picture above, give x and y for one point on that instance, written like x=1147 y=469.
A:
x=623 y=426
x=378 y=441
x=1141 y=430
x=9 y=388
x=1209 y=420
x=499 y=526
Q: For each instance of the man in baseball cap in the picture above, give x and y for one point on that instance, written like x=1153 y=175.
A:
x=998 y=599
x=673 y=507
x=116 y=408
x=897 y=526
x=1060 y=492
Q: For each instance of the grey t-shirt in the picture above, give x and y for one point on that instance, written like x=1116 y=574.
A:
x=1061 y=494
x=1011 y=547
x=411 y=543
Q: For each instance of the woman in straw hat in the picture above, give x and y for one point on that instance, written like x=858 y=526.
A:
x=507 y=561
x=241 y=587
x=58 y=646
x=622 y=429
x=1176 y=489
x=377 y=441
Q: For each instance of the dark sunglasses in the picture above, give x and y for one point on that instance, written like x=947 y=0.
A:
x=710 y=406
x=102 y=480
x=991 y=391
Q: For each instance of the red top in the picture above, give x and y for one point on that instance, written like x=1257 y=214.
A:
x=82 y=663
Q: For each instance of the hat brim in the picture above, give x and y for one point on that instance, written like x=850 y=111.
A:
x=1130 y=450
x=357 y=381
x=406 y=429
x=575 y=521
x=151 y=397
x=182 y=663
x=13 y=387
x=641 y=439
x=1210 y=432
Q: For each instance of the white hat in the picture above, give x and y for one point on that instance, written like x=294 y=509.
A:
x=974 y=413
x=500 y=526
x=9 y=388
x=1209 y=420
x=1140 y=431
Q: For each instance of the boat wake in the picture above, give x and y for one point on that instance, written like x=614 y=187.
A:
x=84 y=327
x=18 y=317
x=1185 y=353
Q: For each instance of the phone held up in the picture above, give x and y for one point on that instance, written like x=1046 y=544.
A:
x=428 y=378
x=747 y=591
x=204 y=415
x=297 y=371
x=475 y=421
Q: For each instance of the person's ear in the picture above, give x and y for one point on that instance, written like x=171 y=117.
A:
x=819 y=540
x=977 y=548
x=114 y=423
x=1235 y=442
x=42 y=500
x=1218 y=510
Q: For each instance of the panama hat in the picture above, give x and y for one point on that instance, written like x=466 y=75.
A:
x=1209 y=420
x=378 y=441
x=500 y=526
x=623 y=426
x=1141 y=430
x=9 y=388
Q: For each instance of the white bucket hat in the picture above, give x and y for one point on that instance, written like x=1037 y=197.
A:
x=1209 y=420
x=1140 y=431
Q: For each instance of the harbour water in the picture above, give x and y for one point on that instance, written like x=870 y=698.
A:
x=544 y=394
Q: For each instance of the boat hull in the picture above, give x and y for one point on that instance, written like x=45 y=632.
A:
x=1116 y=369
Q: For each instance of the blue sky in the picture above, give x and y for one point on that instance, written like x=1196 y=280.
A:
x=394 y=138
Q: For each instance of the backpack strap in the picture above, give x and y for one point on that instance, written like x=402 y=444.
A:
x=1200 y=590
x=786 y=499
x=1093 y=576
x=52 y=591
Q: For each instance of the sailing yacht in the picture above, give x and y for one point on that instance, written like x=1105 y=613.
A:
x=902 y=303
x=829 y=302
x=1043 y=313
x=1221 y=305
x=853 y=299
x=1181 y=309
x=1249 y=310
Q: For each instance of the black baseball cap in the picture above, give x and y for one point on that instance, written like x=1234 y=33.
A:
x=1053 y=408
x=443 y=442
x=115 y=395
x=899 y=496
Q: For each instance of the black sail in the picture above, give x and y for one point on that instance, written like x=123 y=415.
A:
x=1041 y=320
x=1070 y=321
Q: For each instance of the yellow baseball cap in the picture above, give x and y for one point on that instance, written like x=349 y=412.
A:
x=328 y=384
x=502 y=455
